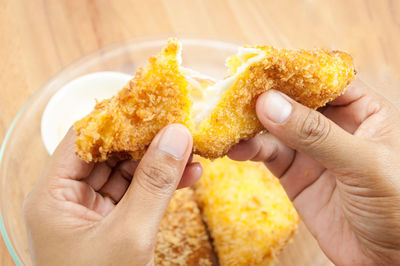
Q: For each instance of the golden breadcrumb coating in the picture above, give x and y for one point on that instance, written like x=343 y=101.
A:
x=160 y=94
x=247 y=212
x=312 y=78
x=182 y=238
x=155 y=97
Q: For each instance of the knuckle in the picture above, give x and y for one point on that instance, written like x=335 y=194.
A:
x=314 y=129
x=267 y=149
x=157 y=178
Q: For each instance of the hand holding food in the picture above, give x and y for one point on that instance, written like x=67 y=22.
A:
x=341 y=169
x=219 y=114
x=338 y=165
x=72 y=217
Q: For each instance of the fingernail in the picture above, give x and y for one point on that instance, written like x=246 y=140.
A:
x=174 y=141
x=276 y=107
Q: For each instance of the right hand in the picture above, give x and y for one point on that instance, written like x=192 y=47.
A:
x=341 y=169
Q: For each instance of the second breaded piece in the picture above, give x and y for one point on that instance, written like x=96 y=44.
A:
x=182 y=238
x=312 y=78
x=219 y=114
x=247 y=212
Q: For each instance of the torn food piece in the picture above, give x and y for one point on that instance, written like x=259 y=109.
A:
x=219 y=114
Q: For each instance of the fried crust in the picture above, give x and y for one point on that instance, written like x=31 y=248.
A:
x=312 y=78
x=247 y=212
x=182 y=238
x=159 y=95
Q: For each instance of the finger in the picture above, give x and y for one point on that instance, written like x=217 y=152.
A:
x=117 y=184
x=155 y=180
x=126 y=169
x=249 y=149
x=119 y=180
x=309 y=132
x=99 y=176
x=83 y=194
x=190 y=159
x=354 y=108
x=356 y=90
x=115 y=187
x=266 y=148
x=296 y=171
x=191 y=175
x=64 y=163
x=300 y=174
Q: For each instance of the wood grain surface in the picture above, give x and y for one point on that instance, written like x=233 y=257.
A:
x=38 y=38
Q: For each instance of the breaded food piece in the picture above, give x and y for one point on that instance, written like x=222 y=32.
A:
x=219 y=114
x=156 y=96
x=247 y=212
x=182 y=238
x=312 y=78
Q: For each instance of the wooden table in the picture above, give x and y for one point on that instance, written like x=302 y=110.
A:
x=38 y=38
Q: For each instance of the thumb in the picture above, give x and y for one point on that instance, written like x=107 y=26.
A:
x=155 y=180
x=310 y=132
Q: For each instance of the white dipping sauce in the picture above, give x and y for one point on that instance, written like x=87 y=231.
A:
x=75 y=100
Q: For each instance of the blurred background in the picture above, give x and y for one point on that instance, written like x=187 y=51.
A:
x=38 y=38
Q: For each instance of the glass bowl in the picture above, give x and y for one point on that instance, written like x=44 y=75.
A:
x=23 y=154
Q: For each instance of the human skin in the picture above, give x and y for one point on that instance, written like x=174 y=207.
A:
x=71 y=214
x=340 y=167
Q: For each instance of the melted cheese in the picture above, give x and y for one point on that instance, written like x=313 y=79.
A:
x=206 y=93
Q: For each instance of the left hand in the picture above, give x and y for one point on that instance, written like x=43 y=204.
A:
x=106 y=213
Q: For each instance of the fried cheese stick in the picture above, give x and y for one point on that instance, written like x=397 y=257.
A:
x=219 y=114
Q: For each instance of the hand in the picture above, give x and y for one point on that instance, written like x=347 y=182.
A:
x=106 y=213
x=341 y=169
